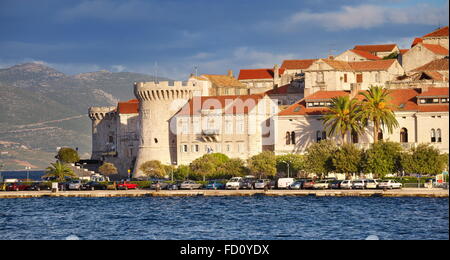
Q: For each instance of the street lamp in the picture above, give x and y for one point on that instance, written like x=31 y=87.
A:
x=28 y=172
x=287 y=167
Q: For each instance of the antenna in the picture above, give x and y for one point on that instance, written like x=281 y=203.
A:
x=196 y=70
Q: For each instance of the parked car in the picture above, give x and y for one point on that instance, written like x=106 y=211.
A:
x=308 y=184
x=248 y=182
x=296 y=185
x=389 y=184
x=321 y=185
x=163 y=185
x=190 y=185
x=283 y=183
x=75 y=185
x=346 y=184
x=372 y=184
x=93 y=185
x=127 y=186
x=261 y=183
x=359 y=184
x=215 y=185
x=335 y=184
x=37 y=186
x=17 y=186
x=234 y=183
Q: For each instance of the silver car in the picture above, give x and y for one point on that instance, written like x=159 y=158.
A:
x=190 y=185
x=75 y=185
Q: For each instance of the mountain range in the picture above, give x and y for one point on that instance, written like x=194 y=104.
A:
x=42 y=109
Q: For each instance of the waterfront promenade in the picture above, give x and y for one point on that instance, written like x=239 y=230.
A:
x=406 y=192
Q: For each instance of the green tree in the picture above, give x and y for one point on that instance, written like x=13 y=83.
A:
x=208 y=164
x=263 y=165
x=231 y=168
x=182 y=172
x=319 y=157
x=347 y=159
x=383 y=158
x=108 y=169
x=59 y=171
x=296 y=163
x=68 y=155
x=342 y=118
x=376 y=108
x=424 y=159
x=153 y=169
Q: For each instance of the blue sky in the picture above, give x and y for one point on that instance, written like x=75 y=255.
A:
x=90 y=35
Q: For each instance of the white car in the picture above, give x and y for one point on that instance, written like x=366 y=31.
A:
x=346 y=184
x=321 y=185
x=234 y=183
x=359 y=184
x=283 y=183
x=75 y=185
x=389 y=184
x=372 y=184
x=261 y=183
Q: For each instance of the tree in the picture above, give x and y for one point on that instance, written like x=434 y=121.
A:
x=383 y=158
x=208 y=164
x=68 y=155
x=263 y=165
x=424 y=159
x=319 y=157
x=153 y=169
x=231 y=168
x=376 y=109
x=59 y=171
x=182 y=172
x=108 y=169
x=295 y=161
x=347 y=159
x=343 y=117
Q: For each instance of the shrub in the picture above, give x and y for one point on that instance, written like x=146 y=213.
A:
x=424 y=159
x=383 y=158
x=319 y=157
x=68 y=155
x=347 y=159
x=263 y=164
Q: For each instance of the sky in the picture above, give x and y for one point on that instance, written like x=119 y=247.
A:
x=173 y=37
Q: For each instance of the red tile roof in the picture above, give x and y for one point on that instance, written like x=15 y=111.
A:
x=128 y=107
x=400 y=100
x=258 y=73
x=280 y=90
x=297 y=64
x=441 y=64
x=375 y=65
x=403 y=51
x=435 y=92
x=437 y=49
x=323 y=95
x=376 y=48
x=233 y=104
x=441 y=32
x=416 y=41
x=365 y=54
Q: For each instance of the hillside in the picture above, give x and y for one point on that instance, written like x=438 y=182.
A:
x=42 y=109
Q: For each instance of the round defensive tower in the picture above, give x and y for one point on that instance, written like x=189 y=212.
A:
x=158 y=103
x=102 y=127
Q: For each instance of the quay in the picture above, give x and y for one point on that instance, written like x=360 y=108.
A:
x=405 y=192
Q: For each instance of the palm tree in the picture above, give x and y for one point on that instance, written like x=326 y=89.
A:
x=343 y=117
x=375 y=108
x=59 y=170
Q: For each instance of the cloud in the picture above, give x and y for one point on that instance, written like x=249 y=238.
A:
x=118 y=68
x=369 y=16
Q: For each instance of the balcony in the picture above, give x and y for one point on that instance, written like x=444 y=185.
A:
x=211 y=135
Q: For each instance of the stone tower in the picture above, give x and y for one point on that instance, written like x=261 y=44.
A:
x=158 y=103
x=103 y=130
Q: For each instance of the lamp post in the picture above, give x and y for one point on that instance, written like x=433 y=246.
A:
x=287 y=163
x=28 y=172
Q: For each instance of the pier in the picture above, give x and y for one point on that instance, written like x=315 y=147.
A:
x=406 y=192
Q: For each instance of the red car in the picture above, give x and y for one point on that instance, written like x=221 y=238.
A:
x=17 y=187
x=126 y=186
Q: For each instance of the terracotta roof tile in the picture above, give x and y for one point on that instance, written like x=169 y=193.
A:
x=376 y=48
x=441 y=32
x=435 y=92
x=366 y=54
x=441 y=64
x=128 y=107
x=403 y=51
x=297 y=64
x=322 y=95
x=360 y=65
x=224 y=80
x=280 y=90
x=416 y=41
x=258 y=73
x=437 y=49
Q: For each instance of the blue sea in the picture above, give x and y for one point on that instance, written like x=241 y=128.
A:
x=21 y=175
x=228 y=218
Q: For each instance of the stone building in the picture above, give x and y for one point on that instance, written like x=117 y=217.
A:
x=220 y=85
x=422 y=115
x=261 y=80
x=356 y=55
x=379 y=50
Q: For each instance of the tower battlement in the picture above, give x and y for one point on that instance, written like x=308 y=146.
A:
x=165 y=90
x=98 y=113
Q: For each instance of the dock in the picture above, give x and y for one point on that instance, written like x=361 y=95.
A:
x=406 y=192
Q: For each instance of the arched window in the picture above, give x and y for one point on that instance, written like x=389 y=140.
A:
x=293 y=141
x=380 y=134
x=319 y=136
x=439 y=136
x=288 y=138
x=404 y=135
x=433 y=135
x=324 y=135
x=355 y=138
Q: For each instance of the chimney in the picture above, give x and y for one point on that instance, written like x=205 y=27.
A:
x=331 y=57
x=276 y=72
x=230 y=73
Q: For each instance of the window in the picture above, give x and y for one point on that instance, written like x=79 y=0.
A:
x=197 y=148
x=240 y=125
x=433 y=135
x=156 y=140
x=229 y=126
x=319 y=136
x=380 y=134
x=293 y=141
x=438 y=135
x=404 y=135
x=320 y=77
x=359 y=78
x=111 y=139
x=444 y=100
x=377 y=76
x=288 y=138
x=228 y=147
x=345 y=77
x=184 y=148
x=324 y=135
x=355 y=138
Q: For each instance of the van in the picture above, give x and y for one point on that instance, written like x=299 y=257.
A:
x=283 y=183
